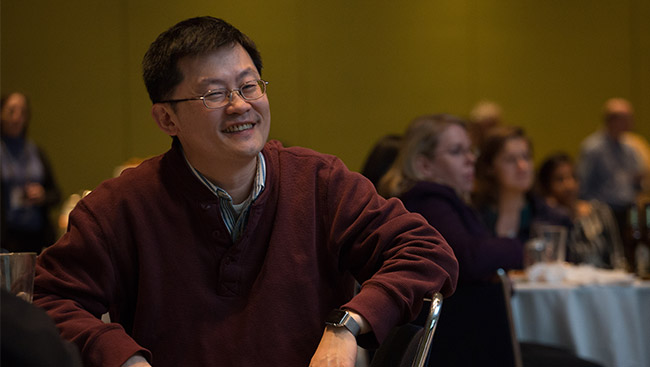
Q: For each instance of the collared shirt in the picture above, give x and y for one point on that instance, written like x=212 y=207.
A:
x=609 y=170
x=235 y=216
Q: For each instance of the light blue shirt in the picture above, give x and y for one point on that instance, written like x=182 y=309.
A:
x=608 y=170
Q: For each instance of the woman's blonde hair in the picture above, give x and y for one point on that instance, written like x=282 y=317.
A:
x=421 y=138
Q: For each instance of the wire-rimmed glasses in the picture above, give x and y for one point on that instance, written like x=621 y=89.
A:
x=218 y=98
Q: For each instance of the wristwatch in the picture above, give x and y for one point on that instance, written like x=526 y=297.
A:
x=341 y=318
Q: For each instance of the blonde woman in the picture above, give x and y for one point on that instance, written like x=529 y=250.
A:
x=433 y=175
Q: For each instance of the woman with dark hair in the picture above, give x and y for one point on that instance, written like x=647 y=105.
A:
x=381 y=157
x=595 y=238
x=504 y=182
x=28 y=187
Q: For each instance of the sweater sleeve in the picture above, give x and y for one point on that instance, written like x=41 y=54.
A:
x=395 y=254
x=75 y=282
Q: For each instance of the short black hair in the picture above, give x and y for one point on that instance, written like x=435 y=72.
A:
x=548 y=167
x=190 y=37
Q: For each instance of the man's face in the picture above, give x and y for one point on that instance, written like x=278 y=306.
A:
x=233 y=134
x=14 y=115
x=620 y=116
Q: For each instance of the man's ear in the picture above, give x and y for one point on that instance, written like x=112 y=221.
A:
x=165 y=118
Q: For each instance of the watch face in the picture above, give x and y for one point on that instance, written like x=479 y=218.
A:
x=337 y=317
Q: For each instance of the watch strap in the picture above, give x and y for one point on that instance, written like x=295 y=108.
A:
x=342 y=318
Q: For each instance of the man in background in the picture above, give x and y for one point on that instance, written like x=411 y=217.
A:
x=609 y=169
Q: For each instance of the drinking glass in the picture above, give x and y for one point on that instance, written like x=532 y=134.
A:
x=17 y=274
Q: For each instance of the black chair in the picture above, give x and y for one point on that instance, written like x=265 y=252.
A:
x=408 y=345
x=476 y=329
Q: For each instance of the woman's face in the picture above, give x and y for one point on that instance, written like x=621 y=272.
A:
x=14 y=115
x=513 y=166
x=453 y=160
x=563 y=184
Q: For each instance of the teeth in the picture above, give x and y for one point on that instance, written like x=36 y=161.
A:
x=236 y=128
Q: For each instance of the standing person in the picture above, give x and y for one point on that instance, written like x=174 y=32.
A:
x=610 y=170
x=229 y=250
x=504 y=182
x=595 y=238
x=434 y=175
x=29 y=190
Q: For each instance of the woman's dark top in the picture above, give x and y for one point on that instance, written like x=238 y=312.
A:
x=535 y=213
x=479 y=253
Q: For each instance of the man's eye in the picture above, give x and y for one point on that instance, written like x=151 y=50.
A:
x=216 y=95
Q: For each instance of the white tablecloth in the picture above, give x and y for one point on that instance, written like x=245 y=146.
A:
x=608 y=324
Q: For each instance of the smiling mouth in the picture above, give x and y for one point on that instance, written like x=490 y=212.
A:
x=238 y=128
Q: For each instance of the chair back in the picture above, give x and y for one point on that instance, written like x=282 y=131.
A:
x=507 y=294
x=424 y=345
x=408 y=345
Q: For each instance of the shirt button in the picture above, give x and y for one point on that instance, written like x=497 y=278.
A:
x=215 y=234
x=206 y=206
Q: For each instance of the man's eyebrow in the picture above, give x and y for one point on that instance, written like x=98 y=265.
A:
x=244 y=73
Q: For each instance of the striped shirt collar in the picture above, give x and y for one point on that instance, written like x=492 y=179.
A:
x=235 y=221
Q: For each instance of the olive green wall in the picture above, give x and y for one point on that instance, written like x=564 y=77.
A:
x=342 y=73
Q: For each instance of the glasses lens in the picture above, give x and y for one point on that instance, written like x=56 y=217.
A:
x=215 y=98
x=253 y=90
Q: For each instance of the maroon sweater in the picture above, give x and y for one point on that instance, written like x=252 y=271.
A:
x=150 y=247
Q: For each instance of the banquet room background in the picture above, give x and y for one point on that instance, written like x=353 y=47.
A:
x=342 y=73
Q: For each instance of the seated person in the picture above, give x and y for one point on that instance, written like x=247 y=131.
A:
x=504 y=181
x=30 y=338
x=381 y=157
x=434 y=175
x=595 y=238
x=227 y=249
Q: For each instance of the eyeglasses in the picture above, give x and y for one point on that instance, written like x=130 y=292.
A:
x=460 y=151
x=218 y=98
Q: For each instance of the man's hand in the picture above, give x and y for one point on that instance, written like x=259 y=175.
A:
x=136 y=360
x=337 y=348
x=34 y=193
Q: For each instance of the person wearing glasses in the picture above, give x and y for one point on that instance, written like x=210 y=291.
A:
x=433 y=175
x=228 y=250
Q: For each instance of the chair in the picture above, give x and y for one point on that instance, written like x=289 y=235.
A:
x=408 y=345
x=534 y=354
x=477 y=329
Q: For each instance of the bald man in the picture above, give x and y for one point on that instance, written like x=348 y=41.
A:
x=609 y=169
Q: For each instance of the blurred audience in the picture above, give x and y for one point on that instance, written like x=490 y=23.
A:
x=381 y=157
x=594 y=238
x=29 y=190
x=433 y=175
x=610 y=170
x=483 y=117
x=504 y=182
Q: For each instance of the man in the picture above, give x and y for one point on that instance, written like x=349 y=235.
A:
x=228 y=250
x=609 y=169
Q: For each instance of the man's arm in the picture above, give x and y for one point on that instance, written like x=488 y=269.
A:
x=75 y=282
x=396 y=255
